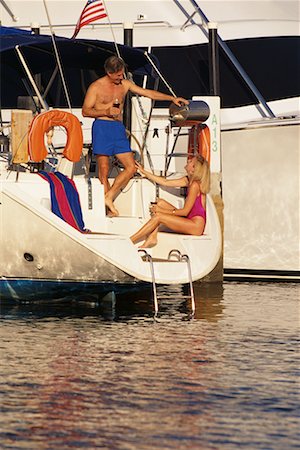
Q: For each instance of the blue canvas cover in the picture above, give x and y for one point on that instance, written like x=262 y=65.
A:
x=82 y=61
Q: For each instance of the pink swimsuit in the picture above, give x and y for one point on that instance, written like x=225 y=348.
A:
x=197 y=209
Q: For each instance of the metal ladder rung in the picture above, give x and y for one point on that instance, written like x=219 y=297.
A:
x=180 y=258
x=181 y=296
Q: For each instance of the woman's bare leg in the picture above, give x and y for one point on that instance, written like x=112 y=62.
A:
x=182 y=225
x=178 y=224
x=146 y=230
x=164 y=204
x=151 y=240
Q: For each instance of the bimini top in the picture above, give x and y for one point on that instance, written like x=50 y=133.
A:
x=82 y=61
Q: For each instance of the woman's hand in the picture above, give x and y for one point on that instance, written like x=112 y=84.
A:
x=153 y=208
x=141 y=169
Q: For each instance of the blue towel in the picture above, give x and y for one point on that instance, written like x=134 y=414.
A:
x=65 y=202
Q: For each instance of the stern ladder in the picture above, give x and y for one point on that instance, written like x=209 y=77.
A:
x=178 y=258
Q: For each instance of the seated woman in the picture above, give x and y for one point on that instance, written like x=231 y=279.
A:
x=191 y=218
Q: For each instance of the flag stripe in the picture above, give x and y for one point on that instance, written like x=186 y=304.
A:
x=93 y=7
x=92 y=13
x=86 y=22
x=93 y=10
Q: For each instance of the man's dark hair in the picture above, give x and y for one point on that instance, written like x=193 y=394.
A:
x=114 y=64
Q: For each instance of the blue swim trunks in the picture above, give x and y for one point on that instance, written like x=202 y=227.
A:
x=109 y=138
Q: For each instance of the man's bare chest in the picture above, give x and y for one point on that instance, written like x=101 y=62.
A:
x=109 y=94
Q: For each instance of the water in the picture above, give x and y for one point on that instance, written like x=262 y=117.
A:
x=78 y=375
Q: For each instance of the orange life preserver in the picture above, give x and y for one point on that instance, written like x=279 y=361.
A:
x=199 y=141
x=43 y=122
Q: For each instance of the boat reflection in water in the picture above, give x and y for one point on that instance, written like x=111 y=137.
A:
x=124 y=303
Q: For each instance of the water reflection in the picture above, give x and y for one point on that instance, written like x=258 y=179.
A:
x=126 y=305
x=106 y=375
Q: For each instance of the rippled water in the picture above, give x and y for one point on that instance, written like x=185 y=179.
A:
x=77 y=375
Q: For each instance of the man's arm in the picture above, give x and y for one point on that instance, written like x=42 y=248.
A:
x=154 y=95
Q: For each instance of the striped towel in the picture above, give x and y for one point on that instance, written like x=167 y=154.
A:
x=65 y=202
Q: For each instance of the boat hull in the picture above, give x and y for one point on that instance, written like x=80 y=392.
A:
x=39 y=247
x=30 y=290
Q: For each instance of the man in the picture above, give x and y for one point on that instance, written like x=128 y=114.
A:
x=104 y=102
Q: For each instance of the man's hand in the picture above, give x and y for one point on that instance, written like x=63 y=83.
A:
x=113 y=111
x=180 y=100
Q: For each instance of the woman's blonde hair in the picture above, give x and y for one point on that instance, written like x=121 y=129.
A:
x=201 y=173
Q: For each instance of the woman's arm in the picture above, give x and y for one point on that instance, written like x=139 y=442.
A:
x=179 y=182
x=194 y=190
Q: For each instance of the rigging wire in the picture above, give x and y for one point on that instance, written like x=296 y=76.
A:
x=58 y=58
x=159 y=74
x=112 y=31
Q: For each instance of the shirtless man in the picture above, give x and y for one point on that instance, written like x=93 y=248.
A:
x=104 y=102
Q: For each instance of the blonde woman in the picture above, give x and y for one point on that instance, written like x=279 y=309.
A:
x=191 y=218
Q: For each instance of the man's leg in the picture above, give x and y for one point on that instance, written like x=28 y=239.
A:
x=127 y=160
x=103 y=171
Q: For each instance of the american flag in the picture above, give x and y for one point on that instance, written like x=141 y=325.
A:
x=93 y=10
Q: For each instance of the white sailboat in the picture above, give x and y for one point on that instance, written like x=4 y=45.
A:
x=259 y=241
x=51 y=252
